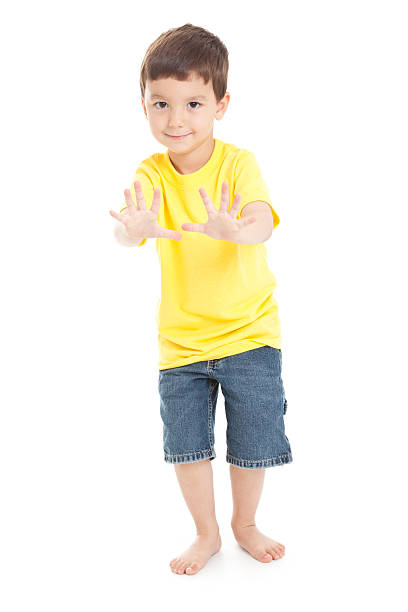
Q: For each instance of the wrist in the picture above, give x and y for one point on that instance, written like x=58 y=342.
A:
x=123 y=237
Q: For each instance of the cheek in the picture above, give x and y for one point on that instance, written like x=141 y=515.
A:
x=200 y=119
x=157 y=119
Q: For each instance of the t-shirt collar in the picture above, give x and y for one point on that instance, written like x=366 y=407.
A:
x=192 y=178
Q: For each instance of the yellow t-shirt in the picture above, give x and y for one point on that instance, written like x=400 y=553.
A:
x=216 y=295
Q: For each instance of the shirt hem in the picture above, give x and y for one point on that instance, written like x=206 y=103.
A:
x=225 y=351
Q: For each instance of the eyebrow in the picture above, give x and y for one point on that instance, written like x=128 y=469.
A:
x=189 y=98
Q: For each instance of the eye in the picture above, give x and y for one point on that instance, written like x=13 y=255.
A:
x=161 y=107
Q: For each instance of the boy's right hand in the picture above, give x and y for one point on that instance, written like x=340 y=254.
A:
x=140 y=222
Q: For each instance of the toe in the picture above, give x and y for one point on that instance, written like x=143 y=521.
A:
x=266 y=557
x=192 y=568
x=273 y=553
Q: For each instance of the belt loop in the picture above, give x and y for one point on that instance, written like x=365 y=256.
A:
x=210 y=365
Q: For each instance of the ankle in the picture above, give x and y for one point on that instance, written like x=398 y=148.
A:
x=237 y=523
x=208 y=530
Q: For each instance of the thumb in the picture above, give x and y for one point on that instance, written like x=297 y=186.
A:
x=172 y=235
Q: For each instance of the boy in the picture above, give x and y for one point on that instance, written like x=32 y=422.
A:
x=218 y=320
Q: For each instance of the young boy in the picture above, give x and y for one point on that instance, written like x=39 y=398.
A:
x=218 y=321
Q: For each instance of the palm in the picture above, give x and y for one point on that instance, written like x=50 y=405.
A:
x=143 y=223
x=219 y=225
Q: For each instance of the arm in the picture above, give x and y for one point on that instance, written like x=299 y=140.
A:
x=261 y=230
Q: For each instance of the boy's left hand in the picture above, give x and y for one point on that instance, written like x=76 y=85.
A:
x=222 y=224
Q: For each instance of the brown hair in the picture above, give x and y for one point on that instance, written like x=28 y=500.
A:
x=184 y=50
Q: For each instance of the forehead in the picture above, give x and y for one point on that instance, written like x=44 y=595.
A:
x=173 y=88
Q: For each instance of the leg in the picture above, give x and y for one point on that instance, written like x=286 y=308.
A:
x=196 y=483
x=188 y=397
x=247 y=485
x=255 y=405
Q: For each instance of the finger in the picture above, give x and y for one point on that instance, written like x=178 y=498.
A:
x=235 y=205
x=116 y=215
x=224 y=197
x=156 y=201
x=129 y=202
x=207 y=202
x=141 y=204
x=193 y=227
x=170 y=235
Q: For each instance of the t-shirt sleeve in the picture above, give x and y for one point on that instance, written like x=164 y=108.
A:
x=250 y=184
x=141 y=175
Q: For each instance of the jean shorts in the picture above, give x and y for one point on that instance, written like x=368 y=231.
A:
x=255 y=405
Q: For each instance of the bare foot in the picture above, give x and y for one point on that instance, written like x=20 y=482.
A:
x=195 y=557
x=257 y=544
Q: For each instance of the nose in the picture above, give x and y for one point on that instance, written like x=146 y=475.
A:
x=176 y=119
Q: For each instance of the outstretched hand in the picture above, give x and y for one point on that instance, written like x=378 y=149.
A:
x=222 y=224
x=140 y=222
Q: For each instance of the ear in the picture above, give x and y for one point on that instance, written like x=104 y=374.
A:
x=222 y=106
x=144 y=107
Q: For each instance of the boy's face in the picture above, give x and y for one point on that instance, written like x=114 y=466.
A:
x=188 y=108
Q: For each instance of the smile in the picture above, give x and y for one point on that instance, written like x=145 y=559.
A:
x=178 y=137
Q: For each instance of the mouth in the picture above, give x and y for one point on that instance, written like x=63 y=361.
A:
x=178 y=137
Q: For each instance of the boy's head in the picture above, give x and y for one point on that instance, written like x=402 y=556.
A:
x=183 y=82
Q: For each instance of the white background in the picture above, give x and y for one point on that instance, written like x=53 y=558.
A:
x=91 y=515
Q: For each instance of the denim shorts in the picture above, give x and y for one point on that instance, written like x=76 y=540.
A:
x=255 y=405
